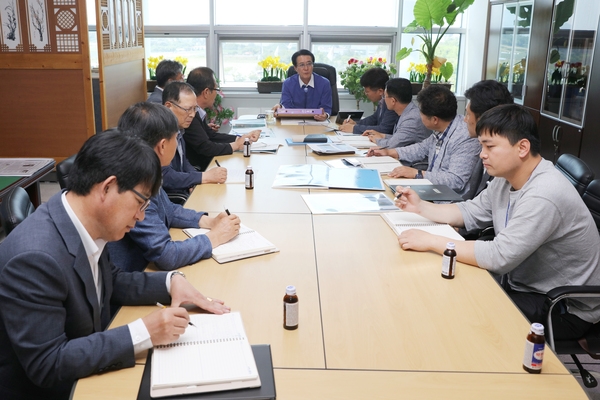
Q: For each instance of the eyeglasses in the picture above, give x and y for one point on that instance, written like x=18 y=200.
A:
x=305 y=65
x=187 y=110
x=141 y=196
x=218 y=89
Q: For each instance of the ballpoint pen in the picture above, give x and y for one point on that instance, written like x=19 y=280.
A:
x=227 y=211
x=163 y=306
x=348 y=119
x=217 y=162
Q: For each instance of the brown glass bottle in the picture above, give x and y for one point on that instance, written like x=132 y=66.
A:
x=290 y=308
x=247 y=145
x=534 y=349
x=249 y=181
x=449 y=261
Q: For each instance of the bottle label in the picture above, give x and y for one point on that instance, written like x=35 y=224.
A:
x=249 y=181
x=534 y=354
x=291 y=314
x=448 y=264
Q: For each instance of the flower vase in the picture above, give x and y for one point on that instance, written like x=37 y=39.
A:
x=269 y=87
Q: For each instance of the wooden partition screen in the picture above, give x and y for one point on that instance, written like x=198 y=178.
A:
x=46 y=107
x=121 y=55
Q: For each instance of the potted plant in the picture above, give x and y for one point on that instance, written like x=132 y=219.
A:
x=439 y=75
x=151 y=64
x=274 y=73
x=355 y=69
x=432 y=20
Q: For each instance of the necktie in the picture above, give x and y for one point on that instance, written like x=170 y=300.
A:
x=305 y=88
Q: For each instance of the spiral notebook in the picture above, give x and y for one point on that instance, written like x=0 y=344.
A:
x=213 y=355
x=248 y=243
x=402 y=221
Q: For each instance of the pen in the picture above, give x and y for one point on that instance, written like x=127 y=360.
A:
x=217 y=162
x=348 y=119
x=161 y=306
x=227 y=211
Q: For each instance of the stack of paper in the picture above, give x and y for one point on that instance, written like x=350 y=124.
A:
x=338 y=203
x=360 y=142
x=332 y=148
x=264 y=147
x=384 y=164
x=402 y=221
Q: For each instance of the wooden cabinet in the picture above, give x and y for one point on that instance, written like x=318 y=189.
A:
x=558 y=137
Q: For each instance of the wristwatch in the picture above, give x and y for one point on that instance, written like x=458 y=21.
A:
x=419 y=174
x=177 y=273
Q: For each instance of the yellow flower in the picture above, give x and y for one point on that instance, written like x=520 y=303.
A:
x=182 y=60
x=273 y=68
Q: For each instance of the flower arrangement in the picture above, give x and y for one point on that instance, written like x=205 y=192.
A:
x=441 y=69
x=217 y=114
x=575 y=72
x=355 y=69
x=273 y=69
x=183 y=61
x=151 y=64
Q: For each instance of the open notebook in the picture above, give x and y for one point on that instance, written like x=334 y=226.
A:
x=402 y=221
x=248 y=243
x=212 y=356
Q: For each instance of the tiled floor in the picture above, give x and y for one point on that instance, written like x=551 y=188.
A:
x=48 y=189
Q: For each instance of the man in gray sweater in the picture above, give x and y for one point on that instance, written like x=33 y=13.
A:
x=545 y=235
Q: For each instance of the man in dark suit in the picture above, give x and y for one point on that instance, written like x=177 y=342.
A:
x=167 y=71
x=57 y=282
x=202 y=141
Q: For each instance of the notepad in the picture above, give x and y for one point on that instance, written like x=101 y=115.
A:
x=360 y=142
x=347 y=203
x=248 y=243
x=384 y=164
x=402 y=221
x=214 y=355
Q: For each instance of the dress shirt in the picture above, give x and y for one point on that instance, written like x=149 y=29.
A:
x=382 y=120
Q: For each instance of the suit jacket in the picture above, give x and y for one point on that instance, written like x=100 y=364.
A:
x=156 y=96
x=180 y=175
x=51 y=325
x=382 y=120
x=202 y=143
x=293 y=96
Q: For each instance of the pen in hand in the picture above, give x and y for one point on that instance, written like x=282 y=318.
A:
x=227 y=211
x=217 y=162
x=162 y=306
x=348 y=119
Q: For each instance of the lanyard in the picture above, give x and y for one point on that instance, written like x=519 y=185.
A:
x=438 y=146
x=507 y=210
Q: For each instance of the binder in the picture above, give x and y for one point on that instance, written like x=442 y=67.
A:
x=264 y=364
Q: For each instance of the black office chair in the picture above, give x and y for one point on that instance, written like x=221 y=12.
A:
x=329 y=72
x=15 y=207
x=62 y=170
x=590 y=343
x=178 y=198
x=576 y=171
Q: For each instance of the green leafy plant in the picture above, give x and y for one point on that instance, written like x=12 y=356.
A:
x=432 y=20
x=355 y=70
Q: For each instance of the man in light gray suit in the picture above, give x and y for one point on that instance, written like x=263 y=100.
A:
x=57 y=283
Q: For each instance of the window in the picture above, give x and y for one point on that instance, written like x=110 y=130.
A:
x=337 y=54
x=239 y=59
x=170 y=47
x=258 y=12
x=176 y=12
x=344 y=13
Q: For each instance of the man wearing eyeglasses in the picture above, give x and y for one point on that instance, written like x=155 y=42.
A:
x=58 y=282
x=181 y=176
x=306 y=89
x=202 y=141
x=453 y=156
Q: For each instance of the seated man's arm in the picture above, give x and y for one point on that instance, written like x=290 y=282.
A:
x=199 y=140
x=325 y=101
x=384 y=125
x=180 y=181
x=152 y=236
x=287 y=93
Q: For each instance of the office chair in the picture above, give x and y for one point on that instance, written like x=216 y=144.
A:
x=590 y=343
x=62 y=170
x=177 y=198
x=575 y=170
x=329 y=72
x=15 y=207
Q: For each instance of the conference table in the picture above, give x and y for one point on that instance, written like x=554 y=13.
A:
x=375 y=321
